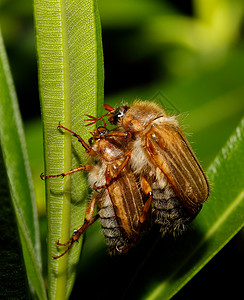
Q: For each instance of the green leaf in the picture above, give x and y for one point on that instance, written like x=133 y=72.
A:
x=220 y=219
x=19 y=175
x=70 y=62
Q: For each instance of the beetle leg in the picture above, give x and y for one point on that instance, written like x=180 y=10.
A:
x=96 y=188
x=109 y=178
x=89 y=220
x=124 y=163
x=85 y=168
x=89 y=150
x=126 y=135
x=146 y=188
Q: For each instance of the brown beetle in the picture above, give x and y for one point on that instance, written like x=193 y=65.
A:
x=162 y=155
x=119 y=201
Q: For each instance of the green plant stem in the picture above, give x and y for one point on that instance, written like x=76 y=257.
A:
x=70 y=63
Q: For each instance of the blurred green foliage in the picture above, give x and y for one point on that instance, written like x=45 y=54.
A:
x=192 y=52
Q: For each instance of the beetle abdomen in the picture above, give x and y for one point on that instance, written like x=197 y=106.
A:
x=169 y=212
x=110 y=227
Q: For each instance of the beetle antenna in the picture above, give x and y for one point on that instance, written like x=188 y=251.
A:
x=95 y=120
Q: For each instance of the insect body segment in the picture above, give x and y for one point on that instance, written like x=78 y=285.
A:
x=172 y=154
x=162 y=155
x=120 y=208
x=116 y=193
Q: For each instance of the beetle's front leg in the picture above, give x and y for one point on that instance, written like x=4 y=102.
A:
x=88 y=149
x=82 y=168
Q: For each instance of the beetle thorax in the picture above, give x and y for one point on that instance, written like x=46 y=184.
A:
x=139 y=116
x=109 y=151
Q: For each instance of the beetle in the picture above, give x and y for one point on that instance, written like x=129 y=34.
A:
x=117 y=194
x=161 y=154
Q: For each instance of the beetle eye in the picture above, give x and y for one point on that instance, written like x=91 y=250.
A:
x=119 y=113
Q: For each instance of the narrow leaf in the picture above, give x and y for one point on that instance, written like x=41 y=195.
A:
x=19 y=176
x=220 y=219
x=70 y=62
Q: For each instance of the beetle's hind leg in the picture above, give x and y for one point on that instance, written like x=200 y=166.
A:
x=147 y=190
x=89 y=220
